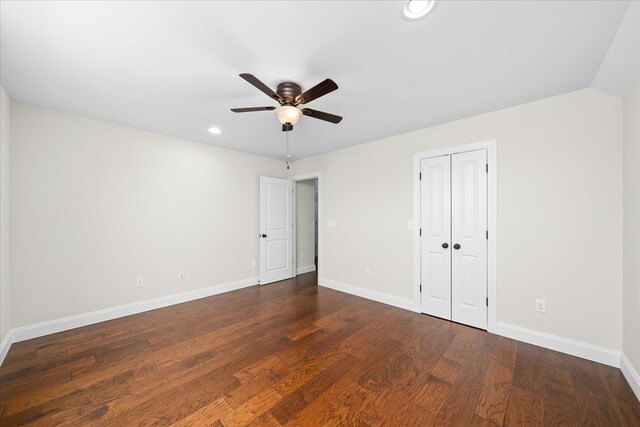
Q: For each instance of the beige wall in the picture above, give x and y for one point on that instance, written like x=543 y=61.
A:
x=95 y=205
x=559 y=212
x=305 y=219
x=5 y=148
x=631 y=286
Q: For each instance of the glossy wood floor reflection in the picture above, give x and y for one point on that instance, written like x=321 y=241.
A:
x=291 y=353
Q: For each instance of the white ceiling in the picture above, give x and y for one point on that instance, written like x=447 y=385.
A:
x=172 y=67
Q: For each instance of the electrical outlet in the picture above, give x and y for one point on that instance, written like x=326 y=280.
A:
x=181 y=275
x=139 y=282
x=331 y=223
x=541 y=305
x=367 y=272
x=410 y=225
x=301 y=255
x=253 y=263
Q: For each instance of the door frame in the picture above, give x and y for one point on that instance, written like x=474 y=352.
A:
x=305 y=177
x=492 y=222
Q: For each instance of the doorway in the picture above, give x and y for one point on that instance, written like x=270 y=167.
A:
x=311 y=185
x=306 y=226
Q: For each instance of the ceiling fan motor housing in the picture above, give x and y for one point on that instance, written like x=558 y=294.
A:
x=289 y=92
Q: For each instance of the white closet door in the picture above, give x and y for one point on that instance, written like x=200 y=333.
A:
x=468 y=230
x=435 y=222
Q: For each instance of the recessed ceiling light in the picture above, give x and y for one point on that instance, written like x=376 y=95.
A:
x=214 y=130
x=416 y=9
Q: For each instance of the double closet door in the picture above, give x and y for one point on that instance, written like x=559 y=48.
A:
x=453 y=242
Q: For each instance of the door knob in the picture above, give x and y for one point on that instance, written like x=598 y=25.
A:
x=456 y=246
x=264 y=235
x=445 y=245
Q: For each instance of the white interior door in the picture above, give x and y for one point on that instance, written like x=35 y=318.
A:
x=469 y=238
x=276 y=231
x=435 y=223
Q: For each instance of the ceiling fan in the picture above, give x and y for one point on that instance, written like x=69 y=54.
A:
x=289 y=96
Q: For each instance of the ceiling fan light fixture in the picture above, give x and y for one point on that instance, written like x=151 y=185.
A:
x=288 y=114
x=416 y=9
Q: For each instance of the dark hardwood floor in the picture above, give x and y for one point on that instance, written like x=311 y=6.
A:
x=291 y=353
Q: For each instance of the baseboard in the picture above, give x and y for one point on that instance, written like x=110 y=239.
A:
x=563 y=345
x=306 y=269
x=53 y=326
x=5 y=345
x=382 y=297
x=630 y=374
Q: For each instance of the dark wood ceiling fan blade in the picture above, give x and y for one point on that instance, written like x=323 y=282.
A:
x=261 y=86
x=248 y=109
x=321 y=89
x=327 y=117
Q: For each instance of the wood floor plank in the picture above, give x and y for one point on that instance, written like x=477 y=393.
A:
x=560 y=407
x=293 y=353
x=389 y=408
x=207 y=415
x=621 y=396
x=525 y=409
x=252 y=409
x=294 y=402
x=596 y=410
x=342 y=404
x=496 y=390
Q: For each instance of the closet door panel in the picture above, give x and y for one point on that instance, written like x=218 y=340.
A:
x=468 y=234
x=435 y=222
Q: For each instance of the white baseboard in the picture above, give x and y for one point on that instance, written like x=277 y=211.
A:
x=53 y=326
x=563 y=345
x=5 y=345
x=630 y=374
x=306 y=269
x=407 y=304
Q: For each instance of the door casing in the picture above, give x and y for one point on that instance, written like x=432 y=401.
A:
x=492 y=223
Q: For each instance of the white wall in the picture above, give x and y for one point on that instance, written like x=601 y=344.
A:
x=305 y=222
x=559 y=212
x=631 y=286
x=5 y=147
x=95 y=205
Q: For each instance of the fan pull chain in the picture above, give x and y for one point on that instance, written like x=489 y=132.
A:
x=288 y=154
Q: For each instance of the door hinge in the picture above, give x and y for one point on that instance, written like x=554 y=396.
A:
x=487 y=234
x=420 y=288
x=487 y=167
x=487 y=302
x=420 y=176
x=421 y=231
